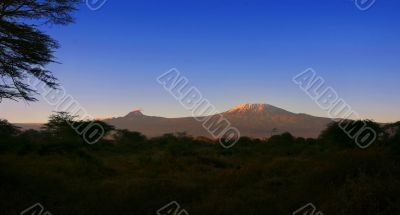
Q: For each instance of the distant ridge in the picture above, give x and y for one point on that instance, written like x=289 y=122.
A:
x=253 y=120
x=28 y=126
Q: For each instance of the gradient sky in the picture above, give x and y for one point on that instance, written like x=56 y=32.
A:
x=232 y=51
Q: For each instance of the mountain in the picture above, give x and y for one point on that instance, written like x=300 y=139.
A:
x=28 y=126
x=253 y=120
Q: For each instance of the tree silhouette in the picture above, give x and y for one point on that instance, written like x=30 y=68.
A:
x=59 y=122
x=284 y=138
x=59 y=130
x=392 y=132
x=126 y=137
x=334 y=134
x=24 y=49
x=7 y=132
x=64 y=127
x=7 y=129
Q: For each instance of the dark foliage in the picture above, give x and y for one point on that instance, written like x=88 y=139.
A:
x=128 y=173
x=285 y=138
x=127 y=137
x=7 y=129
x=340 y=133
x=24 y=49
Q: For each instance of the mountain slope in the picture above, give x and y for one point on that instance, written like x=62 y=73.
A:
x=254 y=120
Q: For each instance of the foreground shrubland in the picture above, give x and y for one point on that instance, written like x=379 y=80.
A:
x=131 y=174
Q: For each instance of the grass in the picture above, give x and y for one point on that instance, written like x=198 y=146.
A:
x=203 y=179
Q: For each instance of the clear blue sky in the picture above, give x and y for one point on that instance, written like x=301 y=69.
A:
x=232 y=51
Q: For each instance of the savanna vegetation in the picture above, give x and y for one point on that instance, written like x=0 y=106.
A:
x=128 y=173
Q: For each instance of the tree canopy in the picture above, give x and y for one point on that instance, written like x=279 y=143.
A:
x=7 y=129
x=25 y=50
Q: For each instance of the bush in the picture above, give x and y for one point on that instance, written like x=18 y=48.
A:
x=285 y=138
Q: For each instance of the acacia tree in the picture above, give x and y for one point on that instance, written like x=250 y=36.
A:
x=25 y=50
x=7 y=129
